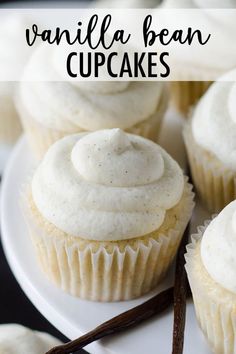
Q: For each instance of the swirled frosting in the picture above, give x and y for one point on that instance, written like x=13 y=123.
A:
x=219 y=54
x=74 y=106
x=106 y=185
x=214 y=122
x=218 y=248
x=16 y=339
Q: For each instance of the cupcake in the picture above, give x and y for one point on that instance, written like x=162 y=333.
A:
x=210 y=139
x=11 y=29
x=210 y=265
x=17 y=339
x=52 y=110
x=192 y=69
x=106 y=213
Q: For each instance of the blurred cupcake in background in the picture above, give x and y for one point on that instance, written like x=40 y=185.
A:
x=210 y=139
x=12 y=58
x=52 y=110
x=106 y=212
x=210 y=266
x=17 y=339
x=193 y=70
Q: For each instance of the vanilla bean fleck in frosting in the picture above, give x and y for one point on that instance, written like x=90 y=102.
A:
x=107 y=185
x=214 y=122
x=218 y=248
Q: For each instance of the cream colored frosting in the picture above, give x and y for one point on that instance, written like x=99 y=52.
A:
x=214 y=122
x=72 y=106
x=16 y=339
x=218 y=248
x=219 y=54
x=107 y=185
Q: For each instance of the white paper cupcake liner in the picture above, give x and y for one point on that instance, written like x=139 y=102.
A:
x=215 y=183
x=214 y=306
x=108 y=271
x=41 y=137
x=190 y=87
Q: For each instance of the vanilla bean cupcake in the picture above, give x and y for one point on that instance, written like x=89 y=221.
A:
x=193 y=70
x=210 y=265
x=16 y=339
x=52 y=110
x=210 y=139
x=106 y=213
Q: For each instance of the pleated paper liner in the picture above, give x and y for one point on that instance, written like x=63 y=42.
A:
x=214 y=306
x=41 y=137
x=215 y=183
x=185 y=94
x=108 y=271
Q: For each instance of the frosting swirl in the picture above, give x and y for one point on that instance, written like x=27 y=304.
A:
x=18 y=339
x=107 y=185
x=218 y=248
x=214 y=122
x=73 y=106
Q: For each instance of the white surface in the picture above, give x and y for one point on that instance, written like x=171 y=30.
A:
x=73 y=316
x=5 y=151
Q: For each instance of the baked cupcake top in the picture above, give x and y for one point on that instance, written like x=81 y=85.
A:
x=18 y=340
x=217 y=56
x=218 y=248
x=106 y=185
x=71 y=106
x=214 y=122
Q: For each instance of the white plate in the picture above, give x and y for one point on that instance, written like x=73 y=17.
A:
x=70 y=315
x=5 y=151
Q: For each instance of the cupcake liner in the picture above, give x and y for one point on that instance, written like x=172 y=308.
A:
x=185 y=94
x=215 y=183
x=191 y=84
x=41 y=137
x=214 y=305
x=108 y=271
x=10 y=127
